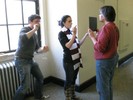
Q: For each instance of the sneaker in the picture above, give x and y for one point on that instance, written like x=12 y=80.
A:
x=43 y=97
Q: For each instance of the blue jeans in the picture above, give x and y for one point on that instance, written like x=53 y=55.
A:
x=25 y=68
x=71 y=75
x=104 y=75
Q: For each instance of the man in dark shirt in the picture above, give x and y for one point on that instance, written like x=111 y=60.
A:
x=28 y=44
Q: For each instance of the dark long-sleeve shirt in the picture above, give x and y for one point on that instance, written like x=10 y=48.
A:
x=26 y=47
x=63 y=40
x=107 y=41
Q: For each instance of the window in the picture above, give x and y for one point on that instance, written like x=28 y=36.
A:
x=14 y=15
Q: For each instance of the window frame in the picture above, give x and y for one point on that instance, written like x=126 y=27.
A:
x=23 y=24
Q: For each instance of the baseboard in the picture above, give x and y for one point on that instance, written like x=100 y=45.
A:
x=78 y=88
x=122 y=60
x=47 y=80
x=86 y=84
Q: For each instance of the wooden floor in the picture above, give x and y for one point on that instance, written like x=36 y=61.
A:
x=122 y=86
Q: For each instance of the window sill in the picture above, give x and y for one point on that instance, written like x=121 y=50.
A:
x=6 y=56
x=10 y=56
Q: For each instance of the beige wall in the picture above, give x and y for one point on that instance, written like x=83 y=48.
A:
x=126 y=16
x=84 y=10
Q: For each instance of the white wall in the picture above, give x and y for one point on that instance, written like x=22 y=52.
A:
x=43 y=61
x=55 y=10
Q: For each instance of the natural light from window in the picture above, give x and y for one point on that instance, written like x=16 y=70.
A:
x=13 y=17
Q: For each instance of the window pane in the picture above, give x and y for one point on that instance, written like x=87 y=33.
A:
x=28 y=8
x=3 y=39
x=2 y=12
x=14 y=34
x=14 y=11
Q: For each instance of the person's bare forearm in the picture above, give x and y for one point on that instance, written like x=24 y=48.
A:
x=30 y=33
x=83 y=39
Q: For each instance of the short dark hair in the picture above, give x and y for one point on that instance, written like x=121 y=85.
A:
x=63 y=20
x=32 y=17
x=108 y=12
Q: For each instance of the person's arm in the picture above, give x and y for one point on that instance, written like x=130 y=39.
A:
x=92 y=36
x=83 y=39
x=93 y=40
x=30 y=33
x=43 y=49
x=70 y=43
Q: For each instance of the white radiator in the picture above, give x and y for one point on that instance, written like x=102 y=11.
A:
x=9 y=81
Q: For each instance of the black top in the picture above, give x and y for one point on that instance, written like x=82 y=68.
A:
x=26 y=47
x=63 y=40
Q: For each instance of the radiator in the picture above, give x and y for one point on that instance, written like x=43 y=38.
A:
x=9 y=81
